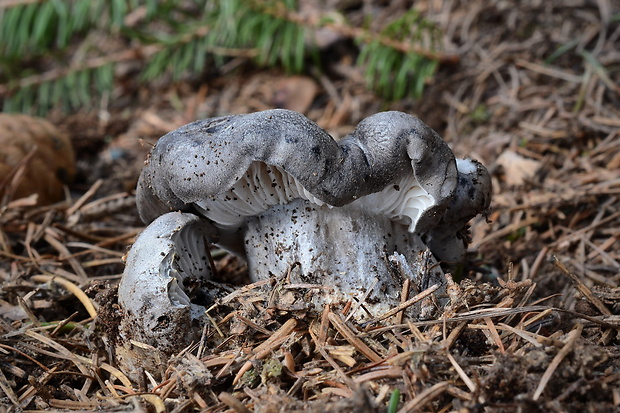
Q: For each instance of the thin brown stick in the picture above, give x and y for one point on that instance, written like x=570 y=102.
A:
x=406 y=304
x=141 y=52
x=468 y=382
x=8 y=390
x=342 y=328
x=507 y=230
x=454 y=334
x=346 y=379
x=353 y=32
x=252 y=324
x=72 y=404
x=324 y=328
x=425 y=397
x=240 y=292
x=282 y=332
x=232 y=402
x=495 y=335
x=84 y=198
x=570 y=341
x=404 y=296
x=583 y=289
x=390 y=372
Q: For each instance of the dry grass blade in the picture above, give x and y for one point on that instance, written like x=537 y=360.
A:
x=72 y=405
x=72 y=288
x=63 y=351
x=7 y=389
x=155 y=401
x=65 y=254
x=84 y=198
x=568 y=346
x=346 y=379
x=89 y=248
x=468 y=382
x=390 y=372
x=466 y=316
x=112 y=370
x=417 y=298
x=527 y=336
x=425 y=397
x=495 y=335
x=583 y=289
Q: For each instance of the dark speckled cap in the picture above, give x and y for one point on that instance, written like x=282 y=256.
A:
x=206 y=158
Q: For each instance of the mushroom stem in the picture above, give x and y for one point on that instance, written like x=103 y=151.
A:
x=347 y=250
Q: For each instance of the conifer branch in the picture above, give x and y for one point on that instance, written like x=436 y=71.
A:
x=176 y=37
x=353 y=32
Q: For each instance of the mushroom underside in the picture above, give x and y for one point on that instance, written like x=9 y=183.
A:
x=265 y=186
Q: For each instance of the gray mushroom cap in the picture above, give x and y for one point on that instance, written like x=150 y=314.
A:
x=472 y=196
x=204 y=159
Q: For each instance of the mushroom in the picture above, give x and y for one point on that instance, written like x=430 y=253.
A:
x=330 y=216
x=165 y=289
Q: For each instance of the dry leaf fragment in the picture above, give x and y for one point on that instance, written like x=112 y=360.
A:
x=517 y=169
x=295 y=93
